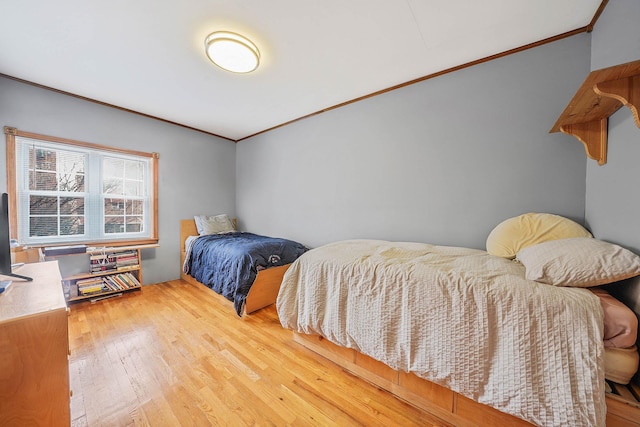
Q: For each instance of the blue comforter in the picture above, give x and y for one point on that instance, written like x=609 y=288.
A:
x=229 y=263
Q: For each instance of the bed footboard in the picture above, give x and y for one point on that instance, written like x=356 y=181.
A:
x=264 y=290
x=439 y=401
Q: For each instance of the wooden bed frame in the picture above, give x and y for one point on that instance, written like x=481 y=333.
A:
x=264 y=290
x=439 y=401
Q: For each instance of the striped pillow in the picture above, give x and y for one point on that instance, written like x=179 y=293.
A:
x=578 y=262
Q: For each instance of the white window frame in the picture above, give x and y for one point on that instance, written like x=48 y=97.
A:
x=94 y=223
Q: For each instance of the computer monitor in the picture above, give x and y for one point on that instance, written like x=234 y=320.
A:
x=5 y=241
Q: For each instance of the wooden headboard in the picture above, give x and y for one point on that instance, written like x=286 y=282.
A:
x=187 y=228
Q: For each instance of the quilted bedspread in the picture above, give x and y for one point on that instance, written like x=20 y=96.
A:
x=229 y=263
x=458 y=317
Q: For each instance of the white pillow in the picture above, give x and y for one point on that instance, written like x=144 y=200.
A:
x=578 y=262
x=214 y=224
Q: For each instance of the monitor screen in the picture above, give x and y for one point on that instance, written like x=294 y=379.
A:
x=5 y=241
x=5 y=245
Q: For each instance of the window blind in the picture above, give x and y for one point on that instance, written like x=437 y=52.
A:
x=74 y=193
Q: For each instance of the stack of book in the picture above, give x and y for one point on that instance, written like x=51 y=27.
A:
x=102 y=262
x=121 y=281
x=114 y=261
x=127 y=260
x=91 y=286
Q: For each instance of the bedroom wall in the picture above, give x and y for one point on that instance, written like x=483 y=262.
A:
x=441 y=161
x=612 y=206
x=196 y=170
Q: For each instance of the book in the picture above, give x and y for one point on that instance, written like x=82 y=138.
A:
x=127 y=261
x=102 y=268
x=91 y=290
x=128 y=267
x=113 y=284
x=126 y=254
x=110 y=285
x=133 y=279
x=87 y=285
x=102 y=259
x=88 y=282
x=130 y=279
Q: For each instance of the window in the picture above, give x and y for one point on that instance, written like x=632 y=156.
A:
x=69 y=192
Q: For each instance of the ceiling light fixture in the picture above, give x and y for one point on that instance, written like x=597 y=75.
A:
x=232 y=52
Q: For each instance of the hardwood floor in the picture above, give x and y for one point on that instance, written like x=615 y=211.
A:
x=176 y=354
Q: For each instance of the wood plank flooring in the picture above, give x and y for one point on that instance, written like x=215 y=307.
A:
x=176 y=354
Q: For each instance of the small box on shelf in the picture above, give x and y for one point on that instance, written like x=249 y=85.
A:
x=64 y=250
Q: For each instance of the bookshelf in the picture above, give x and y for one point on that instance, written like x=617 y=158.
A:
x=111 y=271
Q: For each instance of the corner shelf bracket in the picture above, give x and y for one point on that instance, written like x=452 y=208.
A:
x=626 y=91
x=602 y=94
x=593 y=136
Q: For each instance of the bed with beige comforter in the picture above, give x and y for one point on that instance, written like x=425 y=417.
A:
x=458 y=317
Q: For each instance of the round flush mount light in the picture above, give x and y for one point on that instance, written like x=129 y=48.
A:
x=232 y=52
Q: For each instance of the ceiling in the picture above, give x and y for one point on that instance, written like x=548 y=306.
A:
x=148 y=55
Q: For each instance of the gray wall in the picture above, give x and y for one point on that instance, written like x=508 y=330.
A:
x=441 y=161
x=197 y=171
x=612 y=204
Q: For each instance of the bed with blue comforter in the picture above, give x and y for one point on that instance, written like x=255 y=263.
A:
x=229 y=263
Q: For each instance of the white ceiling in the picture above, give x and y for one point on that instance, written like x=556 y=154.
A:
x=148 y=55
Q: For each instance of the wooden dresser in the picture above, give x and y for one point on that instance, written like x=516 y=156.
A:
x=34 y=349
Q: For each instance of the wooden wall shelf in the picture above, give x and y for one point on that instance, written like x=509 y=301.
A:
x=602 y=94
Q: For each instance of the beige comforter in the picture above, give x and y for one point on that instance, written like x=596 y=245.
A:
x=458 y=317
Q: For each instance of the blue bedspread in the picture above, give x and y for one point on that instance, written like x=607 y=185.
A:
x=229 y=263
